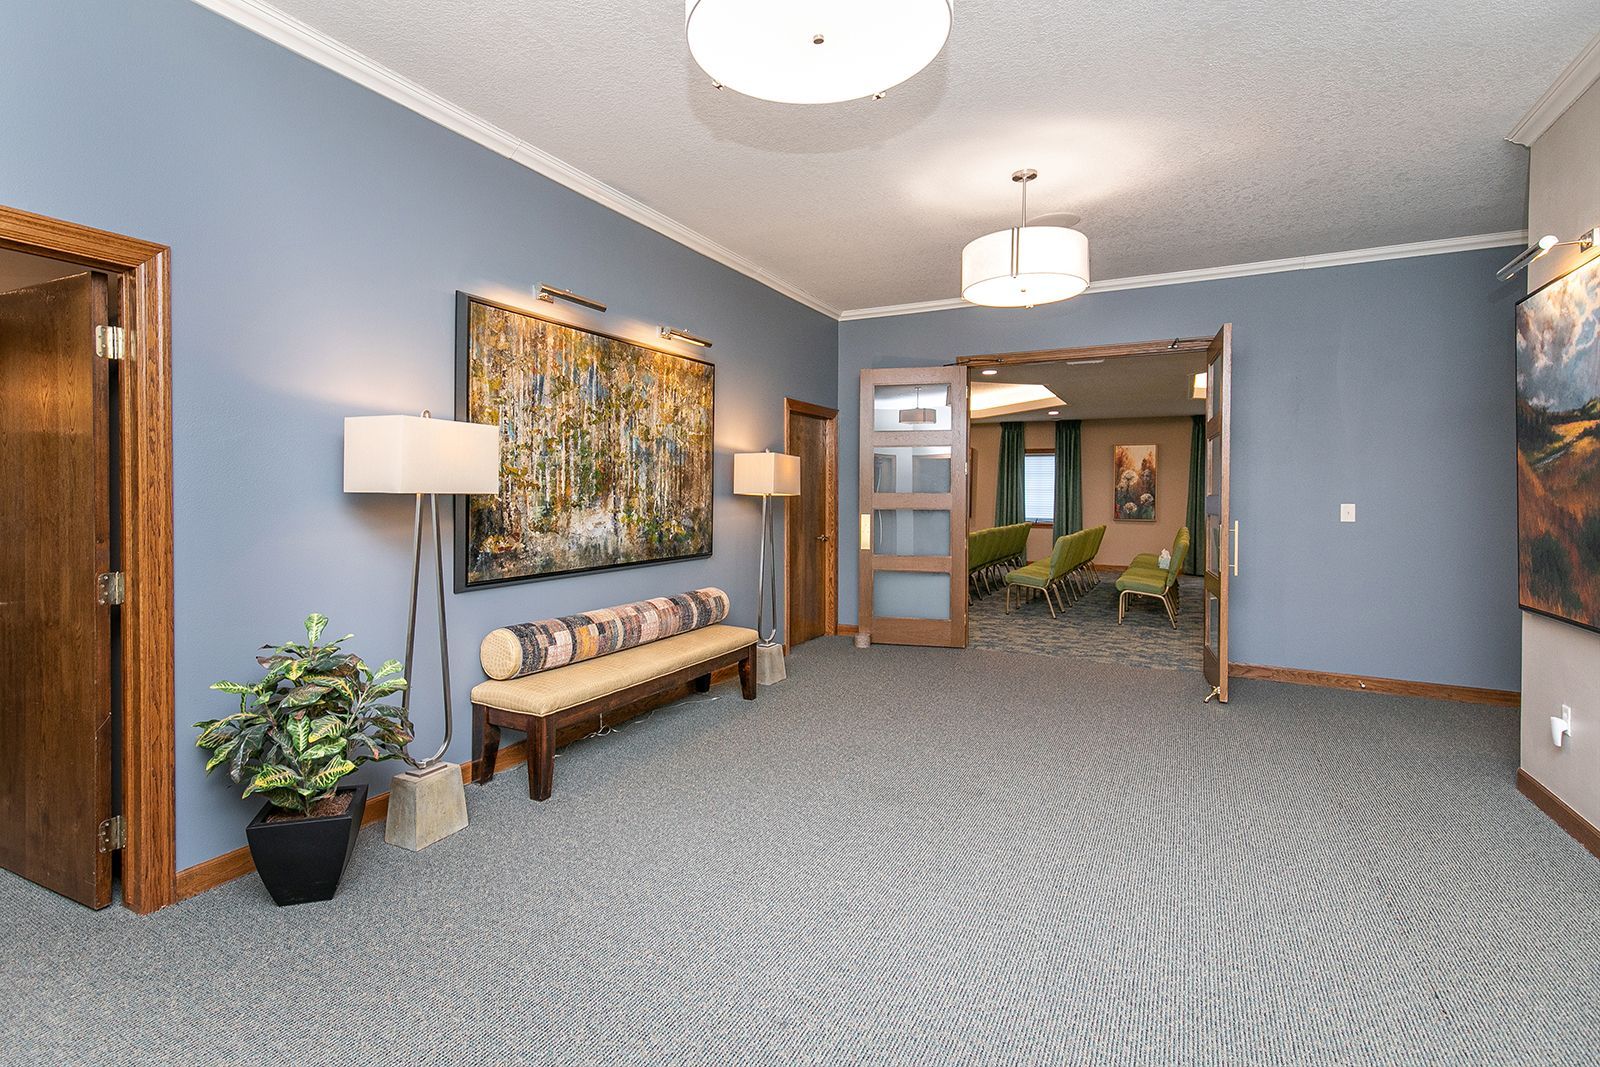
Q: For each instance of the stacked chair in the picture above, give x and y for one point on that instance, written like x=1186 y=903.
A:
x=1146 y=577
x=991 y=552
x=1067 y=574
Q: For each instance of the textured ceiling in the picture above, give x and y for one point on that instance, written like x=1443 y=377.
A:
x=1185 y=135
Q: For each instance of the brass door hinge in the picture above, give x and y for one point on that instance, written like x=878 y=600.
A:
x=110 y=342
x=110 y=587
x=113 y=834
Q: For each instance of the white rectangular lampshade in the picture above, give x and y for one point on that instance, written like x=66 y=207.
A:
x=412 y=454
x=766 y=474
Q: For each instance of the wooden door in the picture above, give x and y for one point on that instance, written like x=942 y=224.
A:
x=810 y=522
x=913 y=507
x=55 y=635
x=1221 y=539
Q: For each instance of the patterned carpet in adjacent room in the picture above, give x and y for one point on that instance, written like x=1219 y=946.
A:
x=1088 y=628
x=899 y=856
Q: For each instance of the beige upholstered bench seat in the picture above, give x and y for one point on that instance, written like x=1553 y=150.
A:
x=557 y=706
x=556 y=690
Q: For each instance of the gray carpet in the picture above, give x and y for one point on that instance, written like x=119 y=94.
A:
x=1088 y=628
x=900 y=856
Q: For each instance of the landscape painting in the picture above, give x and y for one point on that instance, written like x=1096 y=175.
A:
x=1133 y=481
x=1558 y=448
x=605 y=449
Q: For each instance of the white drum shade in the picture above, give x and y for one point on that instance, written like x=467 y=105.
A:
x=770 y=49
x=412 y=454
x=1052 y=263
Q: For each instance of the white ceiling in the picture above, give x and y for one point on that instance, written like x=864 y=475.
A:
x=1186 y=136
x=1130 y=387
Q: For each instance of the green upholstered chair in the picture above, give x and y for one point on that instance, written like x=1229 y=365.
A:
x=1145 y=577
x=1046 y=576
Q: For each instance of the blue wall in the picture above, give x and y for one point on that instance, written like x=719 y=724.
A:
x=319 y=234
x=1384 y=384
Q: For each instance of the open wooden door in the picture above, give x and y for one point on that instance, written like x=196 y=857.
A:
x=913 y=507
x=1221 y=538
x=55 y=632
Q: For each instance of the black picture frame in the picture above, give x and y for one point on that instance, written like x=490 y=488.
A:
x=463 y=367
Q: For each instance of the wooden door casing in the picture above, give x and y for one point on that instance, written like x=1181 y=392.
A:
x=55 y=538
x=810 y=524
x=1221 y=553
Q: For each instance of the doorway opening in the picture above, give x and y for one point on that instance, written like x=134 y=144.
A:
x=86 y=789
x=936 y=535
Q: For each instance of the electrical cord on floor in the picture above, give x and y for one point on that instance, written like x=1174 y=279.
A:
x=607 y=731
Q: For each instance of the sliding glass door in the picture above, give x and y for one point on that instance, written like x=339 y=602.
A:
x=913 y=506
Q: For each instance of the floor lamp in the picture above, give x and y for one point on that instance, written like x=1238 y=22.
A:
x=766 y=475
x=423 y=456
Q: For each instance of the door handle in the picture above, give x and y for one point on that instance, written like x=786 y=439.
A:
x=1236 y=547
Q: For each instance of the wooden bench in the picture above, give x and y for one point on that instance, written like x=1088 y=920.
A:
x=559 y=706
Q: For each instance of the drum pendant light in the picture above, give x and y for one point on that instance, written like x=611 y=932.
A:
x=1025 y=265
x=815 y=51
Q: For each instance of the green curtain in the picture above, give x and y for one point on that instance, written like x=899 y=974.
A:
x=1008 y=496
x=1197 y=495
x=1069 y=477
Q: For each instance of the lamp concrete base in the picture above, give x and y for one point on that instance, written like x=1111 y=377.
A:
x=769 y=664
x=426 y=806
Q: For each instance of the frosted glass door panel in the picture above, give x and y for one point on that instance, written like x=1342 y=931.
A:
x=904 y=532
x=911 y=595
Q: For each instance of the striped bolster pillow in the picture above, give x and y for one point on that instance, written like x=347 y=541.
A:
x=530 y=647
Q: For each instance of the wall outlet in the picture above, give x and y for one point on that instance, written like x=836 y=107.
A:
x=1347 y=513
x=1561 y=726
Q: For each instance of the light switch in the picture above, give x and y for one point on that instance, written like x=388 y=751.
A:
x=1347 y=513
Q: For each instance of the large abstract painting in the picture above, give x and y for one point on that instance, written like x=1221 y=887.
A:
x=1133 y=483
x=606 y=449
x=1558 y=448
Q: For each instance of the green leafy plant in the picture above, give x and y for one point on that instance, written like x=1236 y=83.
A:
x=312 y=719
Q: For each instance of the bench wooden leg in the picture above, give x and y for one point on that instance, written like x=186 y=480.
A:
x=488 y=745
x=747 y=673
x=702 y=684
x=541 y=761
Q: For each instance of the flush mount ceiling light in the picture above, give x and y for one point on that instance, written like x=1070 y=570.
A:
x=817 y=52
x=1025 y=265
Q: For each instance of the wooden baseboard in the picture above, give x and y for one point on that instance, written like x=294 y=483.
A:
x=236 y=864
x=847 y=630
x=1581 y=829
x=1367 y=684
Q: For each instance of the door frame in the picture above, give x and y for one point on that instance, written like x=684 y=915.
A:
x=149 y=858
x=830 y=516
x=1199 y=345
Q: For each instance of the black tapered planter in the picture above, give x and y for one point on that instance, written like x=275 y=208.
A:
x=301 y=860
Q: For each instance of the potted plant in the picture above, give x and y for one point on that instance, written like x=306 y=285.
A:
x=313 y=718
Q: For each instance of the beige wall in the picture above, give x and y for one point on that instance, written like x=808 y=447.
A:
x=1124 y=540
x=1560 y=662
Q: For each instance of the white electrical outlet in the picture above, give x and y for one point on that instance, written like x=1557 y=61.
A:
x=1561 y=726
x=1347 y=513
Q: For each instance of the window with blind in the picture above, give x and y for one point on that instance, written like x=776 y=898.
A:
x=1039 y=487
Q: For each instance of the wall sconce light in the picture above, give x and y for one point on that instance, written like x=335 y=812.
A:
x=1584 y=242
x=549 y=294
x=672 y=333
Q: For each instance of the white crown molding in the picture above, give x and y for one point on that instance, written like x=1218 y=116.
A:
x=312 y=44
x=1572 y=83
x=1239 y=270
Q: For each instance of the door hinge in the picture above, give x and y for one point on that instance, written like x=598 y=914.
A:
x=110 y=342
x=110 y=587
x=113 y=834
